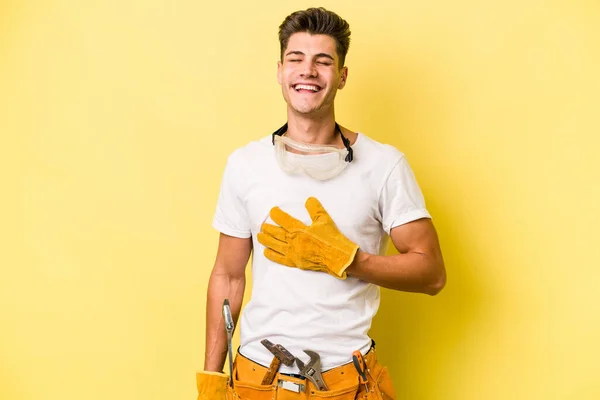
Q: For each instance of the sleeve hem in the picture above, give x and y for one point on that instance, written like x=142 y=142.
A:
x=408 y=217
x=231 y=232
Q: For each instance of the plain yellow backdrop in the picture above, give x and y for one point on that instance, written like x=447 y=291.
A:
x=116 y=118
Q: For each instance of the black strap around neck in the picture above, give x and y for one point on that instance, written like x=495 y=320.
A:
x=345 y=140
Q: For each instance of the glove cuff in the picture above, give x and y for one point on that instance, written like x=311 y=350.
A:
x=221 y=374
x=348 y=251
x=211 y=385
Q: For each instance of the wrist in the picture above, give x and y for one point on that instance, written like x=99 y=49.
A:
x=213 y=366
x=355 y=267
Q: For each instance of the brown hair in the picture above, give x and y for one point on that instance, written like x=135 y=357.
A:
x=317 y=21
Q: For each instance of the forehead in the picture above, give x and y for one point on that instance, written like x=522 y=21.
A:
x=311 y=44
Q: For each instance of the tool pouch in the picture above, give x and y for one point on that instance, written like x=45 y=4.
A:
x=385 y=385
x=379 y=380
x=246 y=382
x=342 y=390
x=342 y=382
x=344 y=393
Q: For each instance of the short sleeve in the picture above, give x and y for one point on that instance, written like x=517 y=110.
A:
x=401 y=200
x=231 y=217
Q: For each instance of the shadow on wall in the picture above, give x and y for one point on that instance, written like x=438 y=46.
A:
x=422 y=338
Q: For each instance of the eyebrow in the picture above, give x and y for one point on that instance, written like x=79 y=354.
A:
x=299 y=53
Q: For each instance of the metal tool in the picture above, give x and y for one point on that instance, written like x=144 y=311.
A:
x=312 y=370
x=281 y=355
x=229 y=326
x=280 y=352
x=361 y=366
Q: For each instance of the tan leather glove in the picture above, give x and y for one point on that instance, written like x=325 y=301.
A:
x=211 y=385
x=318 y=247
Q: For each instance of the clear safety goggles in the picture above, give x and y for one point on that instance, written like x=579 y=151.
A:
x=320 y=162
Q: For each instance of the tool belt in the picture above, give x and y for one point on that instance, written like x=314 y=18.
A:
x=342 y=383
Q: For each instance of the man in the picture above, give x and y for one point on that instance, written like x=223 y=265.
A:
x=315 y=203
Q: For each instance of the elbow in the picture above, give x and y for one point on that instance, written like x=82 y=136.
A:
x=437 y=283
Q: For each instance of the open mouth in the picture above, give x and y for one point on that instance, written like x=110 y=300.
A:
x=304 y=88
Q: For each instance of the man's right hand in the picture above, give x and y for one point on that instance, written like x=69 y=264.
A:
x=211 y=385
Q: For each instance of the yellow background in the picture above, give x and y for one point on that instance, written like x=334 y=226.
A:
x=116 y=118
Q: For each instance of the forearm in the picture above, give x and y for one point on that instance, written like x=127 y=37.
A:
x=408 y=272
x=221 y=286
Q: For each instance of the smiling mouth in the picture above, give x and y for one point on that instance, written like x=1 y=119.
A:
x=302 y=88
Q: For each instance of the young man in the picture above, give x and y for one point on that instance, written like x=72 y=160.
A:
x=315 y=203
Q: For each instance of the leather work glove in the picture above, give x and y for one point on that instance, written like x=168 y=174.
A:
x=318 y=247
x=211 y=385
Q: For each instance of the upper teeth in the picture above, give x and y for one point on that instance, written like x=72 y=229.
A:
x=307 y=87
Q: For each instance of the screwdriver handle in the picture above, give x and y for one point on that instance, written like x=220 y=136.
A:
x=359 y=363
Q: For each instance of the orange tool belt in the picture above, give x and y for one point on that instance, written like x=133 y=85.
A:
x=343 y=383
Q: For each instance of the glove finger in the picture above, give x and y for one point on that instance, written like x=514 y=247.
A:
x=315 y=208
x=278 y=258
x=276 y=231
x=272 y=243
x=285 y=220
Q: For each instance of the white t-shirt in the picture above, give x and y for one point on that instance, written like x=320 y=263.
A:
x=307 y=309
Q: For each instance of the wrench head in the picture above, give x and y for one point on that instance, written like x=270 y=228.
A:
x=312 y=370
x=315 y=360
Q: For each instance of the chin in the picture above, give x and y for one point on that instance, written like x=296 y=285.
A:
x=305 y=109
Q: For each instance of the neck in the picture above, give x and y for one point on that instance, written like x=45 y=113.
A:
x=312 y=129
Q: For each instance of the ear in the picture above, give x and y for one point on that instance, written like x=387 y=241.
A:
x=279 y=72
x=343 y=77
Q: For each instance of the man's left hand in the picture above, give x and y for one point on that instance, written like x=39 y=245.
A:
x=318 y=247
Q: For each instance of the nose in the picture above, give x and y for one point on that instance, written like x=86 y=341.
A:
x=308 y=70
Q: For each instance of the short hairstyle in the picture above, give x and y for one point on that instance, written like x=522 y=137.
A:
x=317 y=21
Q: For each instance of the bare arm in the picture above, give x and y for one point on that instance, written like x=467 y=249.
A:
x=418 y=268
x=227 y=280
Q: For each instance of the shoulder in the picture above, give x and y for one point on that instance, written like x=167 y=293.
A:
x=376 y=154
x=249 y=154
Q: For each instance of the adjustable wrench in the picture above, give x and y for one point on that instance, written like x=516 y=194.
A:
x=312 y=370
